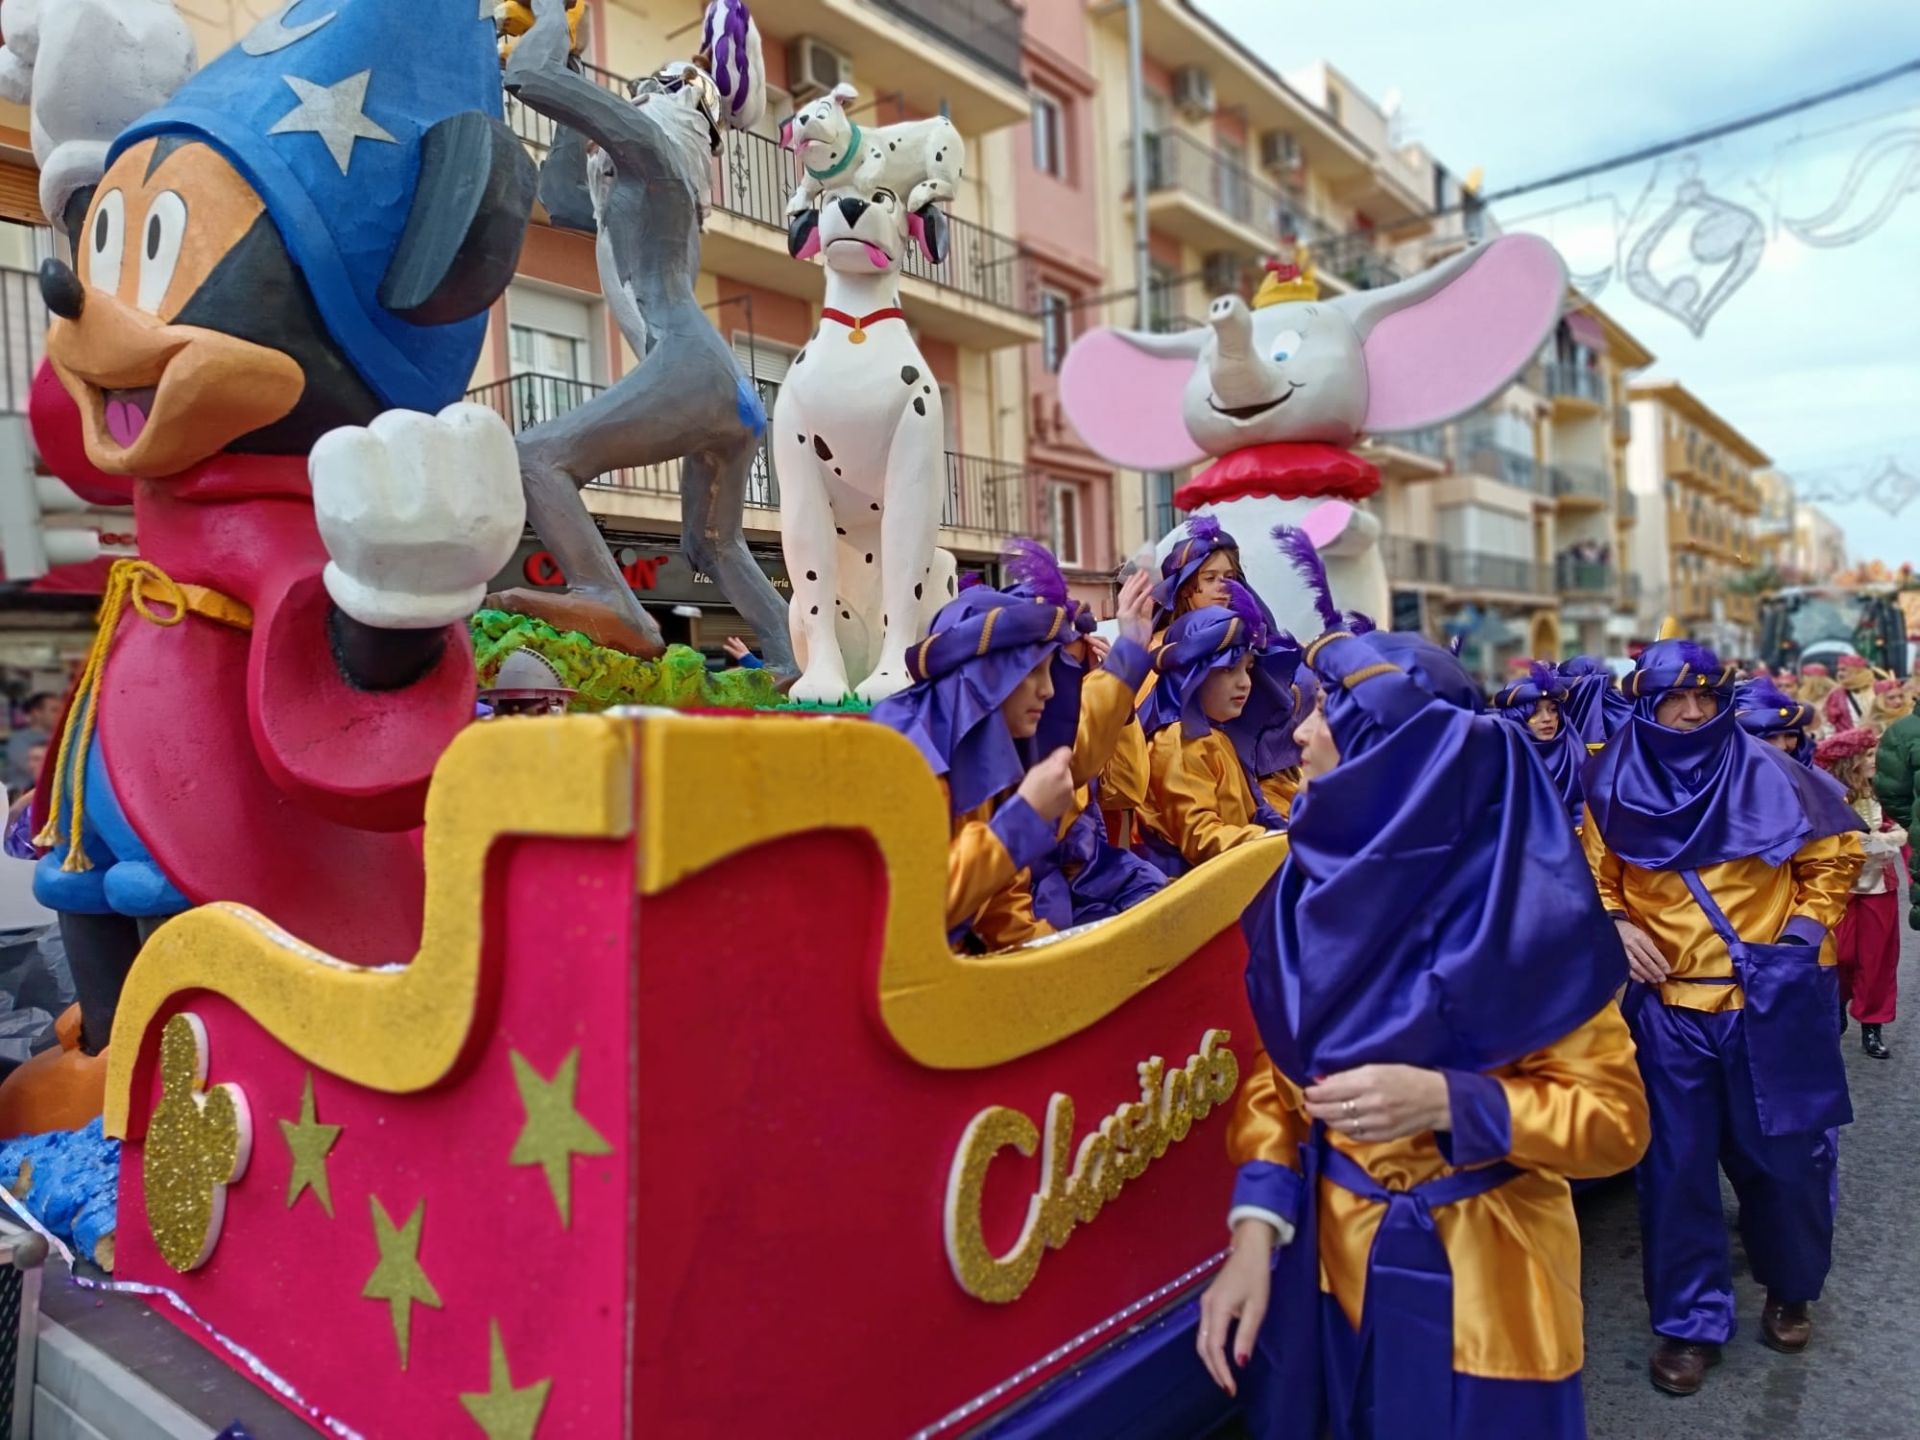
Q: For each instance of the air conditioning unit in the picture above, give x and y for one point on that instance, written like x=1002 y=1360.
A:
x=815 y=67
x=1280 y=156
x=1193 y=92
x=1221 y=272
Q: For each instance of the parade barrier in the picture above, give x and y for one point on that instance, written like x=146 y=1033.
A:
x=684 y=1113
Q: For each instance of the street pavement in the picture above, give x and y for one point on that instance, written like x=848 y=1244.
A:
x=1860 y=1377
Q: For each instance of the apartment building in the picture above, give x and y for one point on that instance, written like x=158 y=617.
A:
x=1695 y=475
x=1819 y=544
x=1773 y=525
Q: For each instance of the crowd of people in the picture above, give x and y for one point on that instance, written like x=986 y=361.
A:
x=1597 y=926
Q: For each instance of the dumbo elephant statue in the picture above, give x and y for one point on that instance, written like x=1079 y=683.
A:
x=1278 y=391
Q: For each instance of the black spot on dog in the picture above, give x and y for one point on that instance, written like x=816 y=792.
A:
x=893 y=144
x=812 y=576
x=820 y=448
x=926 y=389
x=919 y=405
x=801 y=438
x=909 y=373
x=884 y=621
x=916 y=592
x=838 y=531
x=952 y=587
x=838 y=471
x=869 y=557
x=846 y=614
x=814 y=611
x=801 y=358
x=874 y=506
x=938 y=156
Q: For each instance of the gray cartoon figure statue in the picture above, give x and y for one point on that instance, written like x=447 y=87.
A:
x=648 y=173
x=1277 y=391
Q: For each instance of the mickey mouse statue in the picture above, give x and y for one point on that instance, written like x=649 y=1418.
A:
x=279 y=295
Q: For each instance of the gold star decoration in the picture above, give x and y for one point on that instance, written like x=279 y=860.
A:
x=502 y=1411
x=555 y=1132
x=309 y=1141
x=398 y=1278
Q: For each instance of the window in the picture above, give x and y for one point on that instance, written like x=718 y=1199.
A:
x=1056 y=328
x=1161 y=515
x=766 y=364
x=1049 y=136
x=1063 y=521
x=1163 y=292
x=550 y=353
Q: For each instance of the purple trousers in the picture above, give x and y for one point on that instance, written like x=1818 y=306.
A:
x=1700 y=1092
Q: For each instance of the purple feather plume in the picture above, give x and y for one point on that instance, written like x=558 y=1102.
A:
x=971 y=579
x=1204 y=528
x=1298 y=549
x=1241 y=602
x=1359 y=623
x=1544 y=678
x=1032 y=566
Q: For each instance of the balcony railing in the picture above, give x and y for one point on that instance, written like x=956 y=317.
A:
x=23 y=333
x=1357 y=260
x=985 y=31
x=536 y=130
x=1178 y=162
x=1628 y=504
x=1582 y=482
x=1474 y=570
x=1415 y=562
x=1623 y=423
x=1582 y=577
x=1430 y=441
x=1574 y=382
x=982 y=495
x=754 y=178
x=1487 y=456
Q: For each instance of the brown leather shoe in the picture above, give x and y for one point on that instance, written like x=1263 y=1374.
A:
x=1679 y=1367
x=1785 y=1326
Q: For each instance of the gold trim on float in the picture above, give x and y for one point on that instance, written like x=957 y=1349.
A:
x=397 y=1028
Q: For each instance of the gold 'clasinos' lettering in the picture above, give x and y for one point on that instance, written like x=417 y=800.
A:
x=1128 y=1140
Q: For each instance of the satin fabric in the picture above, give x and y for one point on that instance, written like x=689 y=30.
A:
x=1200 y=801
x=1759 y=901
x=1563 y=757
x=1684 y=800
x=1435 y=908
x=1700 y=1092
x=1594 y=707
x=987 y=859
x=1574 y=1108
x=1085 y=878
x=1281 y=789
x=1762 y=711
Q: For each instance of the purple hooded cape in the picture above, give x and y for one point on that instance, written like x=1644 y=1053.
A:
x=1594 y=706
x=1435 y=908
x=1680 y=799
x=1566 y=753
x=1763 y=711
x=982 y=645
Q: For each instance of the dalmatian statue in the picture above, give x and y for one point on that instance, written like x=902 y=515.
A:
x=1277 y=393
x=919 y=160
x=86 y=70
x=858 y=441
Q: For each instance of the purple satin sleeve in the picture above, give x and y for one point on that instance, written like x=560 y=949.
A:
x=1482 y=1122
x=1391 y=699
x=1804 y=930
x=19 y=838
x=1027 y=837
x=1263 y=1185
x=1129 y=661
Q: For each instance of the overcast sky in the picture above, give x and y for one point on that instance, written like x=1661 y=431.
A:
x=1816 y=356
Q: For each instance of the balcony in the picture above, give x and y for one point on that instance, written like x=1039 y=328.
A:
x=1627 y=505
x=1474 y=571
x=23 y=334
x=978 y=297
x=960 y=54
x=1484 y=455
x=1410 y=454
x=1413 y=562
x=1583 y=579
x=984 y=497
x=1356 y=261
x=1210 y=200
x=1575 y=389
x=1580 y=486
x=1622 y=424
x=536 y=130
x=1741 y=608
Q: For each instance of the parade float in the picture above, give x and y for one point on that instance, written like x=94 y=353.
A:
x=585 y=1074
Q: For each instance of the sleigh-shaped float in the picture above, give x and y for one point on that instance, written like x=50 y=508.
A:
x=684 y=1121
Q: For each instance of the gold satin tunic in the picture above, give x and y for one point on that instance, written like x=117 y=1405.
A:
x=984 y=889
x=1759 y=899
x=1198 y=799
x=1577 y=1111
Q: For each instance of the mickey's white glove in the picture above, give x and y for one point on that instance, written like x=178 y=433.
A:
x=418 y=513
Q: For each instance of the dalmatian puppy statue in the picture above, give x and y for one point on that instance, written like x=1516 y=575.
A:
x=86 y=70
x=859 y=441
x=919 y=160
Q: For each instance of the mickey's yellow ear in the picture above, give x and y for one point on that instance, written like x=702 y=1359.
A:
x=1669 y=629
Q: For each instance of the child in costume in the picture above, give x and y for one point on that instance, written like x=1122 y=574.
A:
x=1777 y=718
x=1537 y=705
x=1850 y=703
x=1085 y=877
x=983 y=679
x=1867 y=939
x=1219 y=688
x=1726 y=865
x=1439 y=1054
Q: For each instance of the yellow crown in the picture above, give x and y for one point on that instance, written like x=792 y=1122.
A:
x=1286 y=282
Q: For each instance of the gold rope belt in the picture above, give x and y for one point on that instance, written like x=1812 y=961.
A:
x=143 y=585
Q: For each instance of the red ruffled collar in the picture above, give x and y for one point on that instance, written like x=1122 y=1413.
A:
x=1283 y=470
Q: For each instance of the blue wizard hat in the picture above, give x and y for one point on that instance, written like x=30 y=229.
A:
x=323 y=108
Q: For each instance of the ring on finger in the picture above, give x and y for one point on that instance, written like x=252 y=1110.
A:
x=1352 y=1109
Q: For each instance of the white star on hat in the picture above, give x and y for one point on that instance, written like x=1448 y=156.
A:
x=336 y=113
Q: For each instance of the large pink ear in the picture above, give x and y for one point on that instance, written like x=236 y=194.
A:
x=1452 y=338
x=1123 y=393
